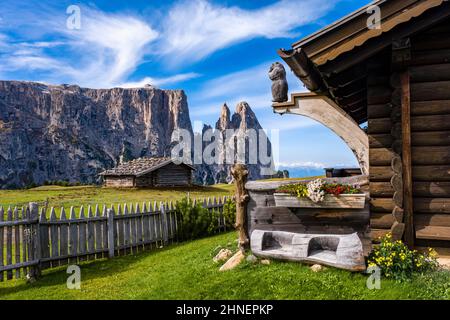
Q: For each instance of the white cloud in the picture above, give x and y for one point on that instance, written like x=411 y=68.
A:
x=196 y=28
x=117 y=42
x=161 y=81
x=43 y=44
x=103 y=53
x=307 y=164
x=109 y=47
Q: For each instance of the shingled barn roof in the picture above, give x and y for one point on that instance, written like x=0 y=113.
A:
x=139 y=167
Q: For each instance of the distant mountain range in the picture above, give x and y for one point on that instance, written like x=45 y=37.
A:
x=64 y=132
x=308 y=171
x=303 y=171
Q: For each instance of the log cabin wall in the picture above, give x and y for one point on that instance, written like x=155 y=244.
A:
x=119 y=181
x=430 y=137
x=382 y=132
x=173 y=175
x=429 y=73
x=147 y=180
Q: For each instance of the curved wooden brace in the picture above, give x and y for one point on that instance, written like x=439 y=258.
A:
x=327 y=112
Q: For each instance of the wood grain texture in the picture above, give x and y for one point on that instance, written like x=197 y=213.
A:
x=409 y=92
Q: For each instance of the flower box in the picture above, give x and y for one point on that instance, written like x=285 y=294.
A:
x=350 y=201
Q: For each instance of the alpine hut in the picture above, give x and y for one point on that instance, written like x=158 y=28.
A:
x=148 y=172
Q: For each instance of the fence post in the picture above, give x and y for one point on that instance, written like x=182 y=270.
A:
x=111 y=241
x=162 y=208
x=35 y=248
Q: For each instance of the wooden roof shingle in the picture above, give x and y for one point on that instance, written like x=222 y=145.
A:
x=140 y=166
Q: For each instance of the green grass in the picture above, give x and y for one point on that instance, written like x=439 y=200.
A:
x=91 y=195
x=186 y=271
x=66 y=197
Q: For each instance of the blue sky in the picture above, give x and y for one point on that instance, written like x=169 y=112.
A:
x=217 y=51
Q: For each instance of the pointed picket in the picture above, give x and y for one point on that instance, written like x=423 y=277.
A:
x=64 y=235
x=82 y=227
x=90 y=234
x=9 y=253
x=127 y=233
x=54 y=237
x=16 y=242
x=24 y=237
x=139 y=220
x=120 y=229
x=44 y=239
x=2 y=237
x=73 y=236
x=145 y=225
x=98 y=233
x=105 y=229
x=152 y=223
x=132 y=239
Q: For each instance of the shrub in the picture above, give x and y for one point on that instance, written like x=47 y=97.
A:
x=194 y=220
x=229 y=213
x=31 y=185
x=398 y=262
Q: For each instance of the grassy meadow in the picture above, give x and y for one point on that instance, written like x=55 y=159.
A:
x=77 y=196
x=90 y=195
x=186 y=271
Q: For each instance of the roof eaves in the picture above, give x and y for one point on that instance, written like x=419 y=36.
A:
x=336 y=24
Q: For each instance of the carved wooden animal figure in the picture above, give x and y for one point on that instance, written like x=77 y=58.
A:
x=240 y=173
x=277 y=74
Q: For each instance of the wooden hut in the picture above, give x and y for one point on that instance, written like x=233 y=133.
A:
x=393 y=73
x=148 y=172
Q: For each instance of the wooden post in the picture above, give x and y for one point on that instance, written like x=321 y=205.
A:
x=110 y=215
x=44 y=239
x=165 y=228
x=34 y=244
x=240 y=173
x=401 y=57
x=2 y=239
x=406 y=160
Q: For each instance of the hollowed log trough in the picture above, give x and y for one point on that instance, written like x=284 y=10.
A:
x=341 y=251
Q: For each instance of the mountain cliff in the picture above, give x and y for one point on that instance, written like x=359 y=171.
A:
x=71 y=133
x=242 y=121
x=64 y=132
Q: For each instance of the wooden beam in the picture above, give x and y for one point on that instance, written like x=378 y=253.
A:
x=406 y=159
x=327 y=112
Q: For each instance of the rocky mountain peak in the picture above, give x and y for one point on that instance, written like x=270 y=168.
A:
x=244 y=117
x=224 y=120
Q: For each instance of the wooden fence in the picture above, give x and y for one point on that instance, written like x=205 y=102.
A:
x=32 y=239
